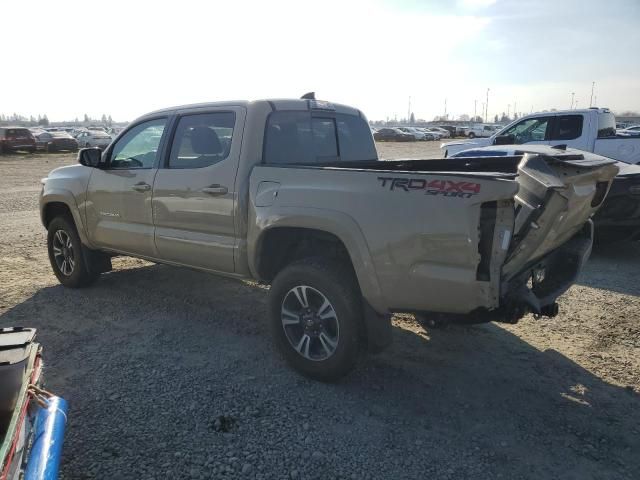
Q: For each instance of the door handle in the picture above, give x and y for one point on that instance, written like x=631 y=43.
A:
x=142 y=187
x=215 y=190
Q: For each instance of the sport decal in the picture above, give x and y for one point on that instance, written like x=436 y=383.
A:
x=445 y=188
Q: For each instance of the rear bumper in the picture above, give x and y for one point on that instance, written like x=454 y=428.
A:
x=522 y=294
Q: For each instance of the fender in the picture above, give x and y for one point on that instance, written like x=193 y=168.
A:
x=60 y=195
x=343 y=226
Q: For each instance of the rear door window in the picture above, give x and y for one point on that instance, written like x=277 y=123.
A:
x=567 y=127
x=202 y=140
x=300 y=137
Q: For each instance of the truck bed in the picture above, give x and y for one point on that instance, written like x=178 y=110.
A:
x=443 y=234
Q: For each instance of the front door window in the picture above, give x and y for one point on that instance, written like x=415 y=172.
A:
x=138 y=148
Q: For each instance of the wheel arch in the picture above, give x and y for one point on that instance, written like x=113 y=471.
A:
x=61 y=202
x=274 y=242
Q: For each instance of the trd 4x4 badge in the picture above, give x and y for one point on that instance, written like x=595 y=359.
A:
x=446 y=188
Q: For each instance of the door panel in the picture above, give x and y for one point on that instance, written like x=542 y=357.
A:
x=119 y=215
x=119 y=210
x=194 y=195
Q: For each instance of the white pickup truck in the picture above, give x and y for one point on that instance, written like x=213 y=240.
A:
x=591 y=130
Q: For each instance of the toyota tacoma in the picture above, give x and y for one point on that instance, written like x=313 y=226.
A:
x=291 y=193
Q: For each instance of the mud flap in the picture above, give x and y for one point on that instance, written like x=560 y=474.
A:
x=97 y=262
x=378 y=329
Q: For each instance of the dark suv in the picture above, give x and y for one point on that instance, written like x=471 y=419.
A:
x=13 y=139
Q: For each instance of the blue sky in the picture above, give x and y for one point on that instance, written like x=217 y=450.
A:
x=125 y=58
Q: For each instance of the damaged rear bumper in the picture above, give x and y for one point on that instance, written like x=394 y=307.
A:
x=536 y=287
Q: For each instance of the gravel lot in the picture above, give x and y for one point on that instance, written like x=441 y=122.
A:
x=171 y=373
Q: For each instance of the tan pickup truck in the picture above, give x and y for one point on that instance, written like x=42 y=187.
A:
x=290 y=192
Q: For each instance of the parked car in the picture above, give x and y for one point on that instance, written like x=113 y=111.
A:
x=461 y=131
x=387 y=134
x=443 y=132
x=93 y=138
x=113 y=132
x=619 y=217
x=591 y=130
x=56 y=141
x=13 y=139
x=631 y=131
x=431 y=135
x=482 y=130
x=299 y=200
x=449 y=128
x=417 y=134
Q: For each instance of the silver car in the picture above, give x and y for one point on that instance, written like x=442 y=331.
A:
x=94 y=138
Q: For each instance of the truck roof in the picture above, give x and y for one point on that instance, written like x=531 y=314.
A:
x=275 y=104
x=565 y=112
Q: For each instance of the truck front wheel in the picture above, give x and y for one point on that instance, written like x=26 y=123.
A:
x=66 y=256
x=316 y=316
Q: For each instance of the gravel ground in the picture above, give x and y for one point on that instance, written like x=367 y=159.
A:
x=171 y=373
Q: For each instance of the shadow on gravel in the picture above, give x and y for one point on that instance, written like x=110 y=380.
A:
x=151 y=358
x=614 y=267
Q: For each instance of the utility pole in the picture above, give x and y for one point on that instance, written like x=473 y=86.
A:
x=573 y=94
x=593 y=84
x=508 y=109
x=576 y=106
x=515 y=111
x=475 y=105
x=409 y=110
x=595 y=100
x=486 y=113
x=445 y=108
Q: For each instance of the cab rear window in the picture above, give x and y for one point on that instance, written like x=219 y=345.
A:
x=606 y=125
x=305 y=138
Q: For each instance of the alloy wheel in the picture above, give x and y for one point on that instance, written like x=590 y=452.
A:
x=63 y=252
x=310 y=323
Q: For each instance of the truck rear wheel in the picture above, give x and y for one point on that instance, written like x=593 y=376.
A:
x=66 y=256
x=472 y=135
x=316 y=316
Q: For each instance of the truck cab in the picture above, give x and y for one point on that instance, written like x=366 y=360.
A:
x=591 y=130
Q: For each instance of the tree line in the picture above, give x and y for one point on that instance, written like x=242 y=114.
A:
x=43 y=120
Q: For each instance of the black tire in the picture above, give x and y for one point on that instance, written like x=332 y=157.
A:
x=51 y=148
x=31 y=150
x=472 y=135
x=339 y=287
x=80 y=274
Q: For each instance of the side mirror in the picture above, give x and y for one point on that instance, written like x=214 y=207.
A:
x=504 y=140
x=90 y=157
